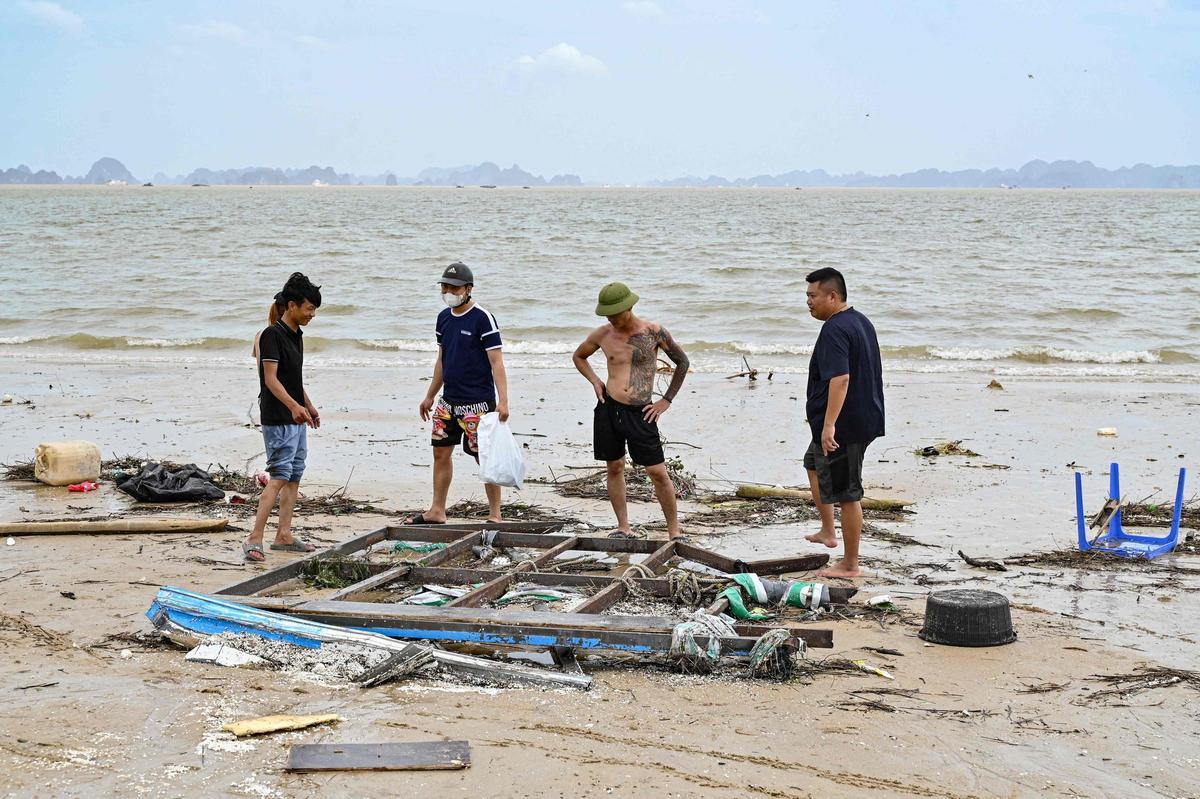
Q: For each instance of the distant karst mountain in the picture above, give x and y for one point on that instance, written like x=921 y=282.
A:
x=109 y=169
x=103 y=171
x=1035 y=175
x=489 y=174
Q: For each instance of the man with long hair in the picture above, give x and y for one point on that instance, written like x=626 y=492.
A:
x=286 y=412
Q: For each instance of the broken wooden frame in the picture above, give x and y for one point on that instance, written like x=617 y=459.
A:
x=462 y=621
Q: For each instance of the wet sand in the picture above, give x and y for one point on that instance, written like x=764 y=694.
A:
x=147 y=724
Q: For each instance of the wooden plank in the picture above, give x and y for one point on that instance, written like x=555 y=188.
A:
x=532 y=528
x=288 y=571
x=707 y=557
x=607 y=597
x=496 y=587
x=396 y=573
x=791 y=563
x=420 y=755
x=507 y=627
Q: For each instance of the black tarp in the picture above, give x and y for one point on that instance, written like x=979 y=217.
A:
x=159 y=483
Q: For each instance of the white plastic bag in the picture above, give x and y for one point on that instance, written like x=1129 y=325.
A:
x=500 y=460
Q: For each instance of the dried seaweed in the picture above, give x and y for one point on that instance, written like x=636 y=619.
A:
x=946 y=448
x=1144 y=679
x=638 y=486
x=512 y=511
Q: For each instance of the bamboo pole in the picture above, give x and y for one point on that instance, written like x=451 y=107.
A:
x=115 y=526
x=767 y=492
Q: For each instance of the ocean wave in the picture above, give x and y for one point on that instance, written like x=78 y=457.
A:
x=1054 y=355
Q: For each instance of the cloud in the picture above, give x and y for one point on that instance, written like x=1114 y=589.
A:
x=217 y=29
x=315 y=42
x=561 y=58
x=644 y=8
x=52 y=14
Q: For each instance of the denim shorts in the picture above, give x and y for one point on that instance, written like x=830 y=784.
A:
x=287 y=448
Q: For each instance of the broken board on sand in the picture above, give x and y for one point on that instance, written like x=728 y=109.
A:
x=380 y=757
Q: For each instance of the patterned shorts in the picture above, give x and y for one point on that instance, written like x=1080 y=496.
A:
x=454 y=423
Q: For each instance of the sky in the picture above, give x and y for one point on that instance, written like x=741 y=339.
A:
x=611 y=90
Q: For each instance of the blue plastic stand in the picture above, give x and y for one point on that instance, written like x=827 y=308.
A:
x=1118 y=542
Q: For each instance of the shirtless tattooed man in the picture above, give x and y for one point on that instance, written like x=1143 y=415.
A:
x=626 y=413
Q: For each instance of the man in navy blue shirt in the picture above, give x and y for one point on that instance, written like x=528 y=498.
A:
x=845 y=412
x=469 y=372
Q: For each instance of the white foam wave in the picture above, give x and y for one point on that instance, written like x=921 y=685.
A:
x=1043 y=355
x=163 y=342
x=15 y=339
x=514 y=347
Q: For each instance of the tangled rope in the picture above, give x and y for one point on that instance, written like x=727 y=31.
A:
x=685 y=588
x=533 y=567
x=774 y=655
x=635 y=571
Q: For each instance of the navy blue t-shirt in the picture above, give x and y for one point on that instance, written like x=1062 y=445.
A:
x=847 y=345
x=465 y=340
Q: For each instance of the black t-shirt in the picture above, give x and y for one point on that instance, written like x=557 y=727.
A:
x=278 y=343
x=847 y=345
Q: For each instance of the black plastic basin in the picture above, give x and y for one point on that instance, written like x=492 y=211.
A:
x=968 y=617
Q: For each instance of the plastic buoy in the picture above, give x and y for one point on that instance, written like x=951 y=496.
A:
x=968 y=617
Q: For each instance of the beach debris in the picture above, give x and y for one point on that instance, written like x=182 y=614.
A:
x=638 y=485
x=1145 y=678
x=993 y=565
x=967 y=617
x=156 y=482
x=883 y=650
x=365 y=665
x=869 y=669
x=280 y=723
x=750 y=373
x=83 y=488
x=10 y=541
x=1115 y=539
x=186 y=617
x=538 y=593
x=420 y=755
x=6 y=399
x=92 y=526
x=220 y=654
x=334 y=572
x=995 y=384
x=1106 y=431
x=61 y=463
x=750 y=491
x=882 y=601
x=947 y=448
x=406 y=546
x=1102 y=517
x=690 y=656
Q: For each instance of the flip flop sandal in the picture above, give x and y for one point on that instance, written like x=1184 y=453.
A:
x=621 y=534
x=249 y=548
x=299 y=545
x=420 y=519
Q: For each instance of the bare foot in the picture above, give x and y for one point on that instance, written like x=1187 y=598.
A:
x=828 y=539
x=841 y=569
x=494 y=521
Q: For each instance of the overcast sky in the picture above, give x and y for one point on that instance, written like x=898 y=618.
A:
x=613 y=91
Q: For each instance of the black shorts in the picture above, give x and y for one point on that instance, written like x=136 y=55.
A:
x=616 y=425
x=839 y=474
x=455 y=423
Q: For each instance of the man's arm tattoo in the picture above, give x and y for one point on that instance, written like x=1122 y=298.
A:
x=678 y=357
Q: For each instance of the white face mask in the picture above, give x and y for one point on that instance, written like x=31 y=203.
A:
x=454 y=300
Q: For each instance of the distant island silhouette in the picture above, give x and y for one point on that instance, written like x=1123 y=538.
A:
x=1036 y=174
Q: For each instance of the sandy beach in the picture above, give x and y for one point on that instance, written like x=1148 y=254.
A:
x=1018 y=720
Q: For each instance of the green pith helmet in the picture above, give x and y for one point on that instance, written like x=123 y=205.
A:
x=615 y=298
